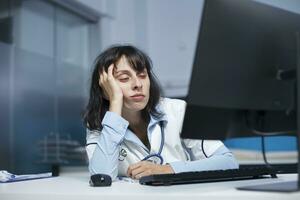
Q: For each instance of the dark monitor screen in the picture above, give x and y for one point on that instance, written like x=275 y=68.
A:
x=237 y=87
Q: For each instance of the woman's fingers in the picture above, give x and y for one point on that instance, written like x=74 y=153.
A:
x=140 y=175
x=141 y=169
x=101 y=80
x=111 y=90
x=110 y=70
x=133 y=167
x=136 y=174
x=104 y=74
x=146 y=168
x=110 y=87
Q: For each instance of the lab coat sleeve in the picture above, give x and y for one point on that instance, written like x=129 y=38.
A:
x=103 y=147
x=221 y=159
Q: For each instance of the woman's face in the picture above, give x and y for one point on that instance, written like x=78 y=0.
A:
x=134 y=85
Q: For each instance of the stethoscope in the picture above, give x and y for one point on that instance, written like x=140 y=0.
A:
x=162 y=142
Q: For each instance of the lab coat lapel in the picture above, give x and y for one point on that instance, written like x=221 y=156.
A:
x=130 y=136
x=155 y=140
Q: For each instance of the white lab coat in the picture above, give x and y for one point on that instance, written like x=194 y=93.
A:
x=173 y=149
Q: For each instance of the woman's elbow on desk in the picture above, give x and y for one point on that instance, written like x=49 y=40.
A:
x=100 y=163
x=231 y=161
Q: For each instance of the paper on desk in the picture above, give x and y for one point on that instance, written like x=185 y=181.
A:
x=126 y=179
x=6 y=177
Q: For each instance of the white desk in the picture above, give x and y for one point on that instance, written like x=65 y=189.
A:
x=74 y=185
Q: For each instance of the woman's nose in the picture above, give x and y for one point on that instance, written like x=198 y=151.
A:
x=137 y=83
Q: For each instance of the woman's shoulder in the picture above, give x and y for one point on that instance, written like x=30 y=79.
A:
x=169 y=104
x=171 y=101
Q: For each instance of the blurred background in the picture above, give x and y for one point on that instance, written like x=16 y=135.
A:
x=47 y=48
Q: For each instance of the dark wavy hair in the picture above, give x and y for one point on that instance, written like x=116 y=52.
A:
x=98 y=105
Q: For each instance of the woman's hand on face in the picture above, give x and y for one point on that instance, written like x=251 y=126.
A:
x=146 y=168
x=112 y=90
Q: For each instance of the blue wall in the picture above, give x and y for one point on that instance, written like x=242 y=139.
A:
x=275 y=143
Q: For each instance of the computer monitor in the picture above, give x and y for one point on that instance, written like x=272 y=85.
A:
x=244 y=77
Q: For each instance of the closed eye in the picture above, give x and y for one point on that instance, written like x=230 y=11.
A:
x=142 y=75
x=123 y=78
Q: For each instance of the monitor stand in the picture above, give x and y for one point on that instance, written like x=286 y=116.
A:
x=287 y=186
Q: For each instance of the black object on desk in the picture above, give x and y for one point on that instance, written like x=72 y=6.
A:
x=209 y=176
x=100 y=180
x=246 y=82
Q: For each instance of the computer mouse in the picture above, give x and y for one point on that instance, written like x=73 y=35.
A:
x=100 y=180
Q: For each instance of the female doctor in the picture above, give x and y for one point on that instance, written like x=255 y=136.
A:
x=130 y=124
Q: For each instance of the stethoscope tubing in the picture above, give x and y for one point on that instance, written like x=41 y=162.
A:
x=162 y=142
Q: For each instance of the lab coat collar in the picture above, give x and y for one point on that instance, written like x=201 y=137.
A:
x=154 y=121
x=130 y=136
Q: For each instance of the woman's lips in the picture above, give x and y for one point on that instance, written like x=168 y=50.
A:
x=138 y=97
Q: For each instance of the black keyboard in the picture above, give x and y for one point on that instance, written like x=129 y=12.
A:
x=209 y=176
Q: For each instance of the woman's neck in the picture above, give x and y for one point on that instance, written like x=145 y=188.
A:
x=134 y=118
x=138 y=125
